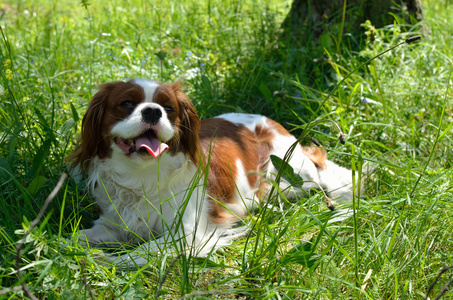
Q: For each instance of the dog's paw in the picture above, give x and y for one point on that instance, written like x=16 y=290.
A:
x=101 y=258
x=128 y=261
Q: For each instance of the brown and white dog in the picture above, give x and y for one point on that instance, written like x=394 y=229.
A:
x=163 y=178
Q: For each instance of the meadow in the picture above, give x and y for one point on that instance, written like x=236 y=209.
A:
x=395 y=111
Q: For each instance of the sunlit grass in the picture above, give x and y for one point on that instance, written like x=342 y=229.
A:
x=396 y=113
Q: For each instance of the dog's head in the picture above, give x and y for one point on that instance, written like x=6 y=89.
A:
x=139 y=119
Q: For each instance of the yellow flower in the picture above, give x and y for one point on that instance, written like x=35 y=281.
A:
x=7 y=64
x=9 y=74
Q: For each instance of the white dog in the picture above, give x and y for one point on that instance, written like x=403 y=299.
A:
x=162 y=178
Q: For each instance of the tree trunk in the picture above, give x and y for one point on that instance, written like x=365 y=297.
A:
x=309 y=19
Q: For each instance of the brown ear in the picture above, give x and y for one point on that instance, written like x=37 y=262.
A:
x=92 y=143
x=190 y=124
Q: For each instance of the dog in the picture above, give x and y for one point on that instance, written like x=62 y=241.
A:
x=164 y=179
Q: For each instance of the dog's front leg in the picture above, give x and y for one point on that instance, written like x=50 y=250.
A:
x=102 y=233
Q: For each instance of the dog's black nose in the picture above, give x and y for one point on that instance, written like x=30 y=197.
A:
x=151 y=115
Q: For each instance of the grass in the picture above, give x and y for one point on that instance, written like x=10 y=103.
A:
x=396 y=112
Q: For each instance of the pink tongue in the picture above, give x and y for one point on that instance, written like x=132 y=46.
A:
x=150 y=142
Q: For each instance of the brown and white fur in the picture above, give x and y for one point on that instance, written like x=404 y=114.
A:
x=163 y=178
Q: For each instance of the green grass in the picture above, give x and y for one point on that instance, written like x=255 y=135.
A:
x=396 y=112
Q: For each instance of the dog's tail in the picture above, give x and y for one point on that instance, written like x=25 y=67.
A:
x=317 y=155
x=337 y=181
x=334 y=179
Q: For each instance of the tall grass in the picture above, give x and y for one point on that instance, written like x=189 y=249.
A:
x=395 y=111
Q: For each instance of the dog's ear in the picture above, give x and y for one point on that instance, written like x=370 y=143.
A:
x=189 y=140
x=91 y=140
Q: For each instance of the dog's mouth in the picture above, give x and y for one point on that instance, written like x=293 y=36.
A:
x=145 y=144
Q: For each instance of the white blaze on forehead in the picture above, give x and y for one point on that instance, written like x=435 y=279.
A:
x=149 y=87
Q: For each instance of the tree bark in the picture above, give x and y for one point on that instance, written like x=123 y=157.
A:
x=309 y=19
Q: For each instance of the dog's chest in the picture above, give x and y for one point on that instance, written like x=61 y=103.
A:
x=138 y=212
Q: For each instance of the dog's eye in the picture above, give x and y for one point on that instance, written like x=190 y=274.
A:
x=169 y=109
x=127 y=105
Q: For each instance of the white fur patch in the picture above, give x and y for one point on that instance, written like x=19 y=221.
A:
x=149 y=86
